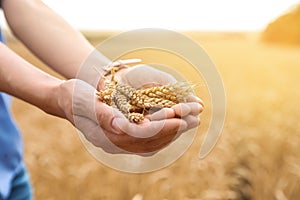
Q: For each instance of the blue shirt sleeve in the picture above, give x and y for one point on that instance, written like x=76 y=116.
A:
x=10 y=144
x=1 y=37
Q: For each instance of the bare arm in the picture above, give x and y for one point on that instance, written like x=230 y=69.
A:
x=47 y=35
x=19 y=78
x=64 y=49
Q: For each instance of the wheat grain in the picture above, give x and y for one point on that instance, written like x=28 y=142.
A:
x=135 y=103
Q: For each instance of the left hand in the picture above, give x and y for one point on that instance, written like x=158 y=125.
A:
x=143 y=76
x=170 y=120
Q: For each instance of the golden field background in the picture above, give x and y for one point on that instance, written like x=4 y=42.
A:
x=257 y=156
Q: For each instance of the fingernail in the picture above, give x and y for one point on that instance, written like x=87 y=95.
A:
x=201 y=102
x=115 y=125
x=200 y=107
x=183 y=126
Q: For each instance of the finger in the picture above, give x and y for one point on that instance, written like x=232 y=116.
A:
x=95 y=135
x=149 y=129
x=105 y=116
x=164 y=138
x=192 y=121
x=161 y=141
x=193 y=98
x=184 y=109
x=143 y=130
x=181 y=109
x=195 y=108
x=149 y=146
x=174 y=127
x=165 y=113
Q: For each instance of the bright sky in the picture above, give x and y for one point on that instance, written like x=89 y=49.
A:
x=170 y=14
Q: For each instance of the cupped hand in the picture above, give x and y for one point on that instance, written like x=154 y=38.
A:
x=107 y=128
x=165 y=125
x=143 y=76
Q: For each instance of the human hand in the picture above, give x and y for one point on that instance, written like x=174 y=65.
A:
x=144 y=76
x=100 y=123
x=186 y=113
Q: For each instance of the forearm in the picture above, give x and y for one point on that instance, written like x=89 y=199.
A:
x=20 y=79
x=47 y=35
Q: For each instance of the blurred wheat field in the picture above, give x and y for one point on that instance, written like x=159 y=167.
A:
x=257 y=156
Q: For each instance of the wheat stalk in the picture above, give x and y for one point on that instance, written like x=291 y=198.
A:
x=121 y=102
x=135 y=103
x=240 y=185
x=241 y=174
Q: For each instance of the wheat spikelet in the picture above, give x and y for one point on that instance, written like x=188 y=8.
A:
x=158 y=92
x=135 y=103
x=105 y=96
x=146 y=102
x=135 y=117
x=182 y=90
x=173 y=92
x=160 y=96
x=159 y=102
x=121 y=102
x=126 y=90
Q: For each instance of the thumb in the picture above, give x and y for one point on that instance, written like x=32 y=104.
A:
x=86 y=104
x=105 y=115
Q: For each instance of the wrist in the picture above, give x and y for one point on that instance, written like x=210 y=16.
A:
x=51 y=101
x=75 y=97
x=61 y=98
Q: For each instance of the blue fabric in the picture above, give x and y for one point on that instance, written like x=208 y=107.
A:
x=1 y=36
x=21 y=189
x=10 y=145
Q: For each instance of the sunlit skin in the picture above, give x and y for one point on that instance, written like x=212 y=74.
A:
x=261 y=130
x=258 y=150
x=65 y=56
